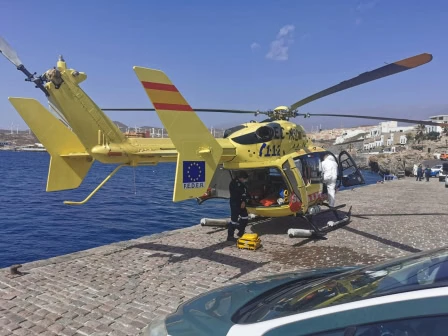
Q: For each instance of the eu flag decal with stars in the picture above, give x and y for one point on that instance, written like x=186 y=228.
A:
x=194 y=173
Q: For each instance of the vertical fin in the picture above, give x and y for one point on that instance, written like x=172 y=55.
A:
x=199 y=152
x=80 y=111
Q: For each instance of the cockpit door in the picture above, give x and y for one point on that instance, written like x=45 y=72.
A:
x=299 y=198
x=219 y=185
x=349 y=173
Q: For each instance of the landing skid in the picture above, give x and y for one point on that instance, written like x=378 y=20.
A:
x=315 y=232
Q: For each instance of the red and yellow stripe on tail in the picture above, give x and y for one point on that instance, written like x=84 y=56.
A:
x=198 y=151
x=166 y=97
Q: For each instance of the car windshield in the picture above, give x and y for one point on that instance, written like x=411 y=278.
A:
x=413 y=272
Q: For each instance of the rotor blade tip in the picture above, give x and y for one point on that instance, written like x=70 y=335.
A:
x=415 y=61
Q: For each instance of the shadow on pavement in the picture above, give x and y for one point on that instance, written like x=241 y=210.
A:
x=209 y=253
x=384 y=241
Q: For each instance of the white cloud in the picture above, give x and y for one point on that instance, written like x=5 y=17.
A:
x=254 y=46
x=280 y=46
x=364 y=6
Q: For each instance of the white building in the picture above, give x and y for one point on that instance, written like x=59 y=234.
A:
x=389 y=127
x=443 y=118
x=347 y=135
x=391 y=140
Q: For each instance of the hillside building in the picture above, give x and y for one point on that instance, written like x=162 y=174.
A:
x=442 y=118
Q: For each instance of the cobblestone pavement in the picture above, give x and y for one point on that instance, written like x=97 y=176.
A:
x=117 y=289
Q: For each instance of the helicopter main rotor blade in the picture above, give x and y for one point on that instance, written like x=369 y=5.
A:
x=387 y=70
x=196 y=110
x=410 y=121
x=224 y=111
x=9 y=52
x=128 y=109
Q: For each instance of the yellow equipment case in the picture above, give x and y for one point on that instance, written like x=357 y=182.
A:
x=249 y=241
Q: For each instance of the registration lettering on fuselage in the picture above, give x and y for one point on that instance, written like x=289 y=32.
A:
x=295 y=134
x=270 y=149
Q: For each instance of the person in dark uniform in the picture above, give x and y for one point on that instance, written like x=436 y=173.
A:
x=427 y=173
x=239 y=198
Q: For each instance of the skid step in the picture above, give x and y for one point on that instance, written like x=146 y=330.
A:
x=222 y=222
x=340 y=206
x=314 y=231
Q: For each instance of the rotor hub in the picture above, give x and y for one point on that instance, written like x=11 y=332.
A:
x=281 y=109
x=281 y=113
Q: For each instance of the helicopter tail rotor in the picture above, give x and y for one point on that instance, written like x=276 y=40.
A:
x=9 y=52
x=11 y=55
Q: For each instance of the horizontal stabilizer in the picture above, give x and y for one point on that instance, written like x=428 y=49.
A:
x=70 y=162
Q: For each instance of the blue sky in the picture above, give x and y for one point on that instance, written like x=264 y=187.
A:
x=219 y=54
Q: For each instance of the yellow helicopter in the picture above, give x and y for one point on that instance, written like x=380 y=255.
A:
x=283 y=164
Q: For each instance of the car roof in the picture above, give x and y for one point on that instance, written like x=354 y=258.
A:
x=389 y=307
x=410 y=273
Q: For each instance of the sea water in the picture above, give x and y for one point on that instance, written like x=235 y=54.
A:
x=135 y=202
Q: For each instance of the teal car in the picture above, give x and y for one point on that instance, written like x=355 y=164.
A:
x=405 y=296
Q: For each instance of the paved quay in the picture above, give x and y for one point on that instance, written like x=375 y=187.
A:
x=117 y=289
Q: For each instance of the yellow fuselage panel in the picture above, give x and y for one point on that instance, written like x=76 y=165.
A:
x=282 y=137
x=277 y=211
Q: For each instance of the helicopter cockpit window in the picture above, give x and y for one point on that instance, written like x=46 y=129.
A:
x=232 y=130
x=298 y=163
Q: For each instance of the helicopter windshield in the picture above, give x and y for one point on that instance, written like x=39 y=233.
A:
x=261 y=134
x=232 y=130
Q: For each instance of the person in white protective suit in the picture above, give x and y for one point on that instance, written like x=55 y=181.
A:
x=415 y=170
x=330 y=175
